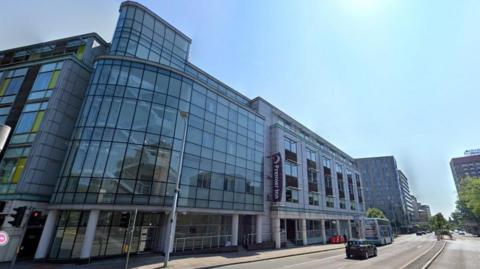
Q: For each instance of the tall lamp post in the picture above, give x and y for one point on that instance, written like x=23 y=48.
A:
x=173 y=212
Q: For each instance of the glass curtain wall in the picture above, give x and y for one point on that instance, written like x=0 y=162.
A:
x=127 y=143
x=110 y=236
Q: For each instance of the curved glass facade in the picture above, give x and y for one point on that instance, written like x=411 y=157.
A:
x=127 y=142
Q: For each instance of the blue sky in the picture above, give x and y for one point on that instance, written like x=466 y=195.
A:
x=374 y=77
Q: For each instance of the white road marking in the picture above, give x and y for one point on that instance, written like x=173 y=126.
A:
x=420 y=246
x=416 y=258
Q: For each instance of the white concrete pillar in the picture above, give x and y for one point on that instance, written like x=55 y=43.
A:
x=276 y=232
x=258 y=229
x=338 y=226
x=47 y=235
x=89 y=234
x=304 y=231
x=235 y=230
x=324 y=234
x=349 y=229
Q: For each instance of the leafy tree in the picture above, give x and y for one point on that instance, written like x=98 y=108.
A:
x=375 y=213
x=469 y=195
x=438 y=223
x=456 y=219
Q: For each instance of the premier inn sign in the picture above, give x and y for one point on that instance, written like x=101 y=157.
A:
x=277 y=177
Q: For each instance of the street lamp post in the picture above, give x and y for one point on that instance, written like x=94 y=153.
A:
x=173 y=213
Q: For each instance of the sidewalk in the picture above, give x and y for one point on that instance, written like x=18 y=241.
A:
x=197 y=261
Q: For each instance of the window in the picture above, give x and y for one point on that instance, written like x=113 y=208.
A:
x=42 y=81
x=338 y=168
x=203 y=180
x=313 y=198
x=290 y=145
x=327 y=163
x=311 y=155
x=25 y=123
x=291 y=169
x=329 y=201
x=342 y=204
x=312 y=176
x=13 y=81
x=291 y=195
x=229 y=183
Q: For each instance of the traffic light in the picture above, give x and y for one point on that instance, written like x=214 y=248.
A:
x=36 y=218
x=124 y=219
x=18 y=216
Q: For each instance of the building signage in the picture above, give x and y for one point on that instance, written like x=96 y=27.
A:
x=277 y=177
x=3 y=238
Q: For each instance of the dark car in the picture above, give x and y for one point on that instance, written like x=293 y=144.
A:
x=420 y=233
x=361 y=249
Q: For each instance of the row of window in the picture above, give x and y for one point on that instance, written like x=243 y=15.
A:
x=141 y=35
x=28 y=124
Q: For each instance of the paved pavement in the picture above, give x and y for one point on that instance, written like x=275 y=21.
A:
x=463 y=252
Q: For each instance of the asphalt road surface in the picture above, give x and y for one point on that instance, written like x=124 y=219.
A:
x=407 y=252
x=461 y=253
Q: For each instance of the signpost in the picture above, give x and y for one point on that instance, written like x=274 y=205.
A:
x=277 y=177
x=3 y=238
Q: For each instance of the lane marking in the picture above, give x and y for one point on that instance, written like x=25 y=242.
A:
x=418 y=257
x=420 y=246
x=434 y=256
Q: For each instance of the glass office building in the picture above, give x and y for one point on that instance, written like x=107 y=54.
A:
x=144 y=103
x=41 y=93
x=125 y=151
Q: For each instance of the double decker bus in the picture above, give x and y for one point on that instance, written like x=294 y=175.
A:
x=378 y=231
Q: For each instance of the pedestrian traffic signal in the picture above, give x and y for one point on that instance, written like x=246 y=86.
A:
x=18 y=216
x=36 y=218
x=124 y=219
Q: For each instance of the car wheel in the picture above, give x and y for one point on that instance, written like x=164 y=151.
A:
x=366 y=255
x=375 y=252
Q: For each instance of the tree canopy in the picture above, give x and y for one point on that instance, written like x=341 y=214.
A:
x=438 y=223
x=375 y=213
x=469 y=195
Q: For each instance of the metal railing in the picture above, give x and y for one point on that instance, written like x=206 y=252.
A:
x=314 y=236
x=251 y=239
x=201 y=242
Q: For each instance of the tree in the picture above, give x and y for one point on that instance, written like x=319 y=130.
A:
x=469 y=195
x=438 y=223
x=375 y=213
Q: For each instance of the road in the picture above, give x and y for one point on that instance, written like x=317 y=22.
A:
x=407 y=252
x=463 y=252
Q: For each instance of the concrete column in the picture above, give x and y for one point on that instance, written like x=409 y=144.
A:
x=338 y=226
x=235 y=230
x=304 y=231
x=47 y=235
x=89 y=234
x=258 y=229
x=276 y=232
x=349 y=229
x=324 y=234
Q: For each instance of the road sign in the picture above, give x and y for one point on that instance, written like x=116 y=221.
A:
x=3 y=238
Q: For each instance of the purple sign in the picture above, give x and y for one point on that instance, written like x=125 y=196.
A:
x=277 y=177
